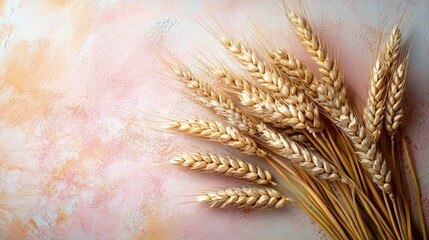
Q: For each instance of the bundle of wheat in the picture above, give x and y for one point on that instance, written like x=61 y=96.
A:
x=327 y=161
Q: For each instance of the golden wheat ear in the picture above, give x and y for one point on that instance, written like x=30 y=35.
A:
x=245 y=197
x=268 y=108
x=299 y=155
x=395 y=94
x=224 y=165
x=216 y=101
x=298 y=72
x=216 y=132
x=391 y=50
x=374 y=111
x=332 y=96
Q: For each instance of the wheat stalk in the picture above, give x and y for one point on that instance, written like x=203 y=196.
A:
x=374 y=110
x=333 y=98
x=394 y=112
x=297 y=72
x=245 y=197
x=216 y=131
x=267 y=107
x=225 y=165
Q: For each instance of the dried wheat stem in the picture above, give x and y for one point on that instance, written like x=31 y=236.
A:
x=245 y=197
x=297 y=72
x=225 y=165
x=280 y=114
x=298 y=154
x=391 y=50
x=216 y=131
x=374 y=110
x=394 y=112
x=333 y=98
x=220 y=103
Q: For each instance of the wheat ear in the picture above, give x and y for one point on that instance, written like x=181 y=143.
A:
x=216 y=131
x=279 y=113
x=245 y=197
x=225 y=165
x=223 y=105
x=303 y=157
x=395 y=95
x=333 y=98
x=216 y=101
x=374 y=110
x=297 y=72
x=270 y=79
x=391 y=50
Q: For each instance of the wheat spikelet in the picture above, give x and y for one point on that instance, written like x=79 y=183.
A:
x=296 y=71
x=220 y=103
x=374 y=110
x=268 y=78
x=327 y=66
x=216 y=131
x=225 y=165
x=281 y=114
x=395 y=94
x=333 y=98
x=245 y=197
x=299 y=155
x=391 y=50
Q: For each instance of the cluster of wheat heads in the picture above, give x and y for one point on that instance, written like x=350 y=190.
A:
x=300 y=122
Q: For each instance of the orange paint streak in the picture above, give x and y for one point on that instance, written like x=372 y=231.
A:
x=17 y=229
x=32 y=67
x=33 y=223
x=23 y=108
x=59 y=3
x=27 y=71
x=61 y=217
x=2 y=3
x=83 y=24
x=156 y=226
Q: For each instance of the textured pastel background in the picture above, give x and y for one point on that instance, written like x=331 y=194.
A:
x=76 y=77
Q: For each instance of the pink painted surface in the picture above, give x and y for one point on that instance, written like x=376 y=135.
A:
x=77 y=77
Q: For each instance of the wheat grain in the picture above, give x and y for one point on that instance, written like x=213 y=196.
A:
x=374 y=110
x=394 y=112
x=216 y=131
x=333 y=98
x=245 y=197
x=225 y=165
x=297 y=72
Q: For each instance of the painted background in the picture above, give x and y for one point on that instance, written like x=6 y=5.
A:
x=76 y=77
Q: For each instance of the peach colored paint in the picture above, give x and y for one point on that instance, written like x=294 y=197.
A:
x=77 y=79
